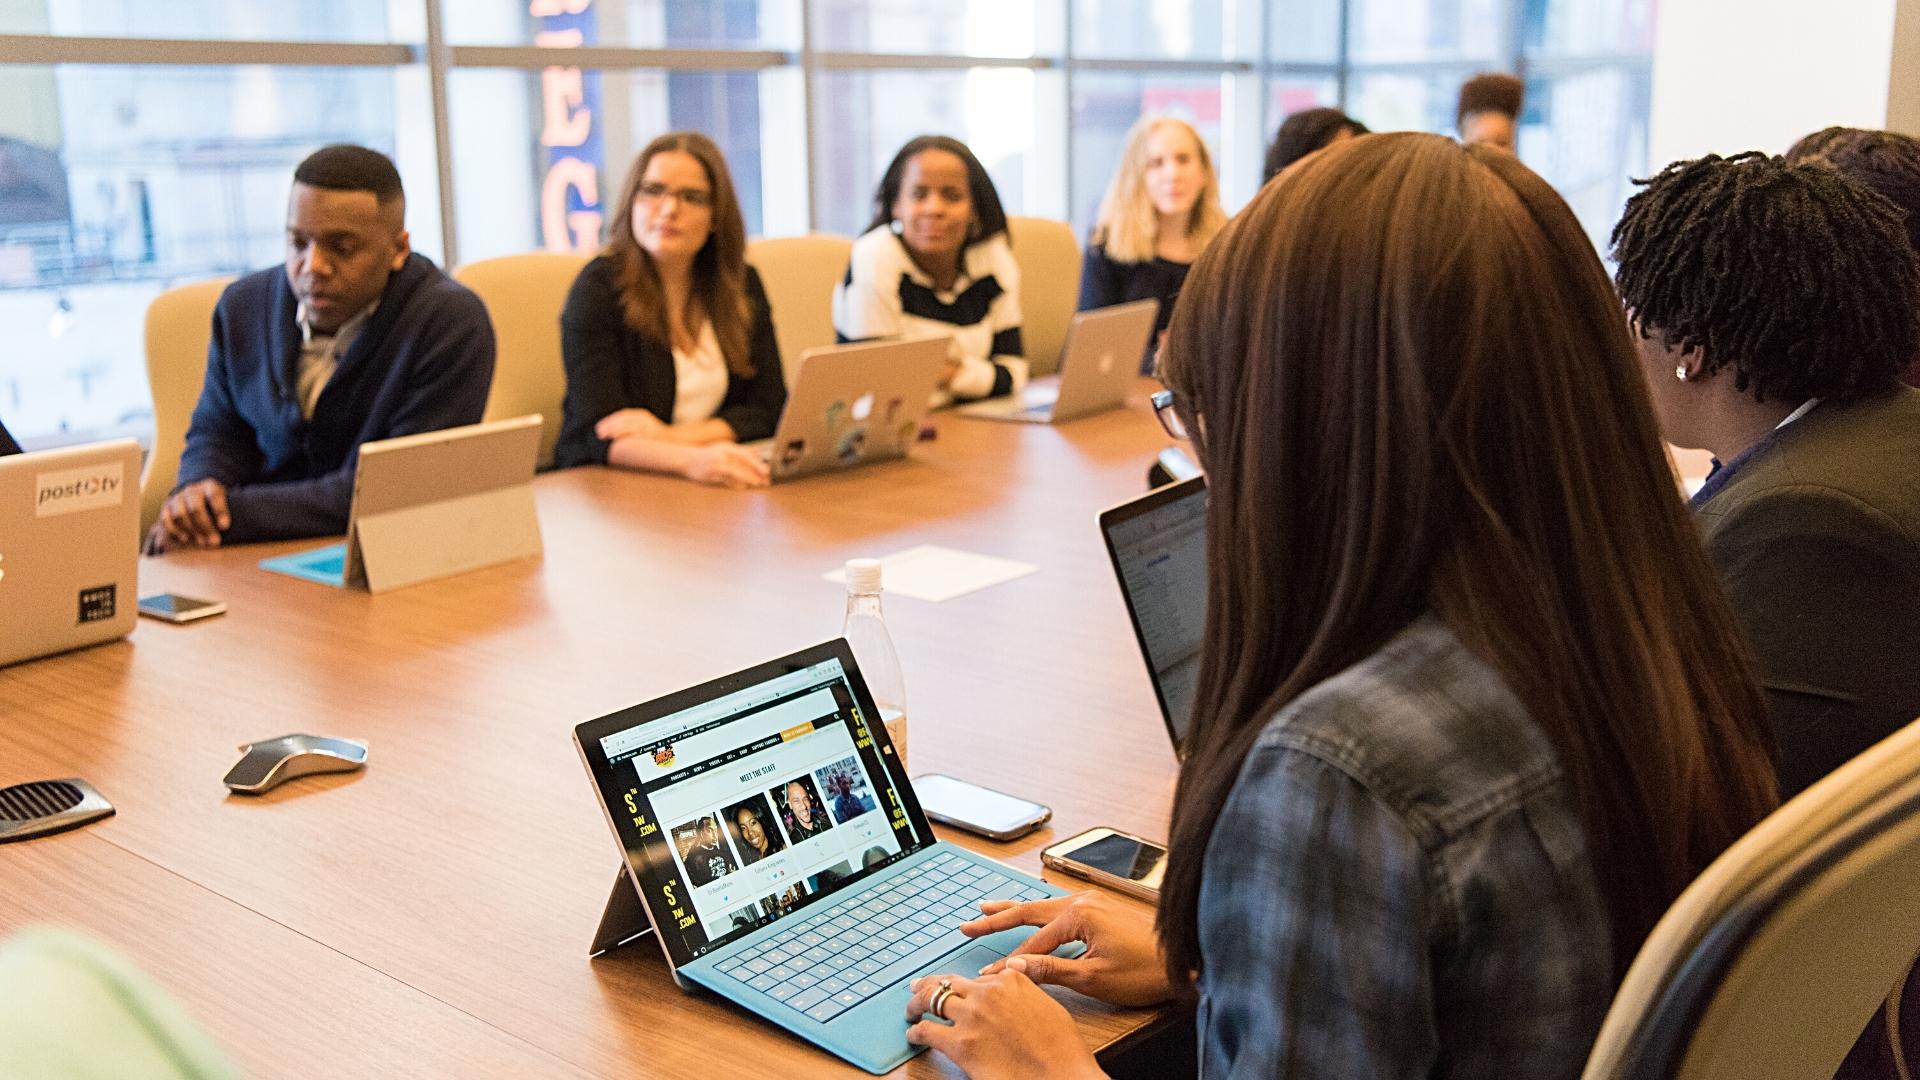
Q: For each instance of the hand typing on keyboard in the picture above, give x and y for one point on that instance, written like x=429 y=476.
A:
x=833 y=958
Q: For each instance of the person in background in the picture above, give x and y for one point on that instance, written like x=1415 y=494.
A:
x=1160 y=209
x=1446 y=769
x=1489 y=110
x=667 y=335
x=1885 y=162
x=357 y=338
x=1775 y=305
x=936 y=259
x=1306 y=131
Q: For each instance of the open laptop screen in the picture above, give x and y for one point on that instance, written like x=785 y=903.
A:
x=1158 y=543
x=744 y=800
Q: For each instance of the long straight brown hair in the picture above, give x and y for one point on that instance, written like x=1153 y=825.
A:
x=1414 y=391
x=719 y=268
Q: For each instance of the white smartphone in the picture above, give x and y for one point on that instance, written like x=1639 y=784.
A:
x=993 y=814
x=1112 y=858
x=168 y=607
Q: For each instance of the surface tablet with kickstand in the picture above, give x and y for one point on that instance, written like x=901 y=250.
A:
x=430 y=506
x=763 y=818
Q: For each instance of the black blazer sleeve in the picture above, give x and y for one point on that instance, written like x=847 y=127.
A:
x=1101 y=282
x=591 y=330
x=1828 y=590
x=7 y=445
x=752 y=405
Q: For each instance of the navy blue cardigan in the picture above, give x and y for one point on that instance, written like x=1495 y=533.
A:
x=423 y=362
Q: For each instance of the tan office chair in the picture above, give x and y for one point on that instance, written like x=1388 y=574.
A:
x=524 y=295
x=799 y=273
x=1049 y=258
x=179 y=328
x=1771 y=963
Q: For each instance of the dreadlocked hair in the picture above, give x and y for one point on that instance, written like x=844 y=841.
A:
x=1800 y=280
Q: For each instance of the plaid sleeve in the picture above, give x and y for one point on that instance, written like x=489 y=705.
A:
x=1313 y=923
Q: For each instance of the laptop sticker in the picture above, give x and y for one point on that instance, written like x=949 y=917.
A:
x=89 y=487
x=852 y=445
x=98 y=603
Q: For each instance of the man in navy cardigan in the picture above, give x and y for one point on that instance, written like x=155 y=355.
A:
x=357 y=339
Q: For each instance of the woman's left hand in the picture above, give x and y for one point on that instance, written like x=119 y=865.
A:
x=1001 y=1025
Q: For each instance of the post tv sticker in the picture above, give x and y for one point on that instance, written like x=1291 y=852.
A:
x=69 y=491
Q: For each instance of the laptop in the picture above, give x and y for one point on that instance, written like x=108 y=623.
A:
x=432 y=505
x=1097 y=368
x=1158 y=544
x=854 y=405
x=781 y=857
x=69 y=548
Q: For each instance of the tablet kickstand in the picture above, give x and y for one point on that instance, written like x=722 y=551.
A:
x=625 y=919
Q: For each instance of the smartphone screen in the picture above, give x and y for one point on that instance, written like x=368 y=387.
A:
x=969 y=805
x=1123 y=857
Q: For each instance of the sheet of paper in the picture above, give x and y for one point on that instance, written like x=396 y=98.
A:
x=930 y=572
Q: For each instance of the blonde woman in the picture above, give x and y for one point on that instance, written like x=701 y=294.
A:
x=1158 y=213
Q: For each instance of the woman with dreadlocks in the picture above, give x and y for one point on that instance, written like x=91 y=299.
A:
x=1775 y=305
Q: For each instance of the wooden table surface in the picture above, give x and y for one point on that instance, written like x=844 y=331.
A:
x=430 y=915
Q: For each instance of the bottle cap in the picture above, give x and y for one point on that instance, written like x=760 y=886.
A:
x=863 y=575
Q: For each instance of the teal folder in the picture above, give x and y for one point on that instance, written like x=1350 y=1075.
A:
x=326 y=565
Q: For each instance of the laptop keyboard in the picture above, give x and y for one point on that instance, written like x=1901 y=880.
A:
x=831 y=960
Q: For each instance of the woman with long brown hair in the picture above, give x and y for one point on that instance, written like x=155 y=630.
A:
x=1472 y=710
x=667 y=336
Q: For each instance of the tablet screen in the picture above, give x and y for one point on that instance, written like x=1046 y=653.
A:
x=748 y=799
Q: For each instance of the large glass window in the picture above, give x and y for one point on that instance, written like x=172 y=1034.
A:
x=125 y=169
x=644 y=24
x=864 y=117
x=570 y=137
x=127 y=180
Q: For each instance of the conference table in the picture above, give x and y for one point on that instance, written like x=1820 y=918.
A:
x=431 y=914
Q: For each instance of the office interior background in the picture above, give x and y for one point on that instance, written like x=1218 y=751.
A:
x=147 y=143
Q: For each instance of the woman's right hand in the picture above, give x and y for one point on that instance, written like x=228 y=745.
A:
x=1122 y=964
x=726 y=465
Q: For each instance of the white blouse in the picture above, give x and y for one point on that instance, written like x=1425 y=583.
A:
x=699 y=379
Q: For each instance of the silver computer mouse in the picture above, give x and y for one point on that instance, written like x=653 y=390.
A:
x=265 y=765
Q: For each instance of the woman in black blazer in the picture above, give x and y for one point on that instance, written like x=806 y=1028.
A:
x=667 y=335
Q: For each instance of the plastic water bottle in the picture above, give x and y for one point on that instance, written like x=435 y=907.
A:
x=866 y=631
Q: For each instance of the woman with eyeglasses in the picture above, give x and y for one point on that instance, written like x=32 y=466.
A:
x=936 y=260
x=667 y=336
x=1160 y=209
x=1472 y=710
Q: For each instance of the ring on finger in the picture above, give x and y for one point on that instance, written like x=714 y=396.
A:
x=938 y=1006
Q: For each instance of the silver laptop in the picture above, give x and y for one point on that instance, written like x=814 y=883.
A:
x=69 y=548
x=1097 y=366
x=854 y=405
x=1158 y=544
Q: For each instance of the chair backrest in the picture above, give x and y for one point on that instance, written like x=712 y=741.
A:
x=178 y=330
x=524 y=295
x=799 y=273
x=1049 y=257
x=1769 y=965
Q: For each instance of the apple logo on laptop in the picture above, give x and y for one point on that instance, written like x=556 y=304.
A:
x=863 y=407
x=1106 y=363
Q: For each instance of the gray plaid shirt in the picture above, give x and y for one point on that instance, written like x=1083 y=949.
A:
x=1398 y=886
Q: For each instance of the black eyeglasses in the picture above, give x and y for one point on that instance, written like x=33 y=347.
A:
x=1169 y=416
x=653 y=193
